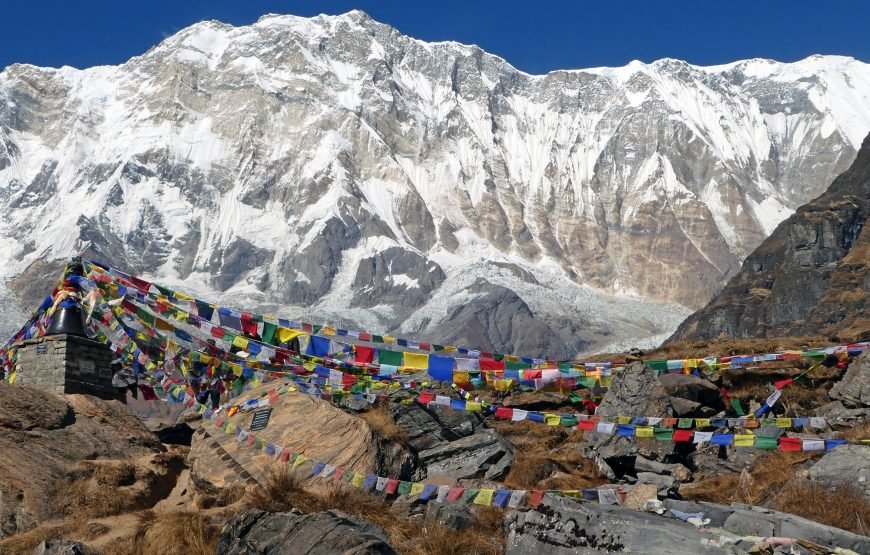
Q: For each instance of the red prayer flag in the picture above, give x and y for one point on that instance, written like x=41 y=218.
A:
x=790 y=444
x=504 y=413
x=364 y=355
x=425 y=398
x=392 y=486
x=586 y=425
x=339 y=472
x=217 y=332
x=489 y=364
x=148 y=393
x=248 y=326
x=455 y=493
x=782 y=383
x=364 y=336
x=285 y=455
x=536 y=497
x=682 y=436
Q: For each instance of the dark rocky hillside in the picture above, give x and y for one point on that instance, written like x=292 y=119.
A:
x=811 y=277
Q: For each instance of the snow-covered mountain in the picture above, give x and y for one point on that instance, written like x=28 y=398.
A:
x=336 y=169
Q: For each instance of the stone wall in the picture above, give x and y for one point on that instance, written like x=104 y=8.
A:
x=66 y=364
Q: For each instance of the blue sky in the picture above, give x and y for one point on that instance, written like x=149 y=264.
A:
x=534 y=35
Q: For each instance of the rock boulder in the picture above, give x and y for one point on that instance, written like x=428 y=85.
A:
x=255 y=532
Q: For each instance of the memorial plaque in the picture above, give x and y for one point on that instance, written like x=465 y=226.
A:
x=42 y=349
x=261 y=419
x=87 y=366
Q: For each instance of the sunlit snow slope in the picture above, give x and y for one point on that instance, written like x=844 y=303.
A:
x=335 y=169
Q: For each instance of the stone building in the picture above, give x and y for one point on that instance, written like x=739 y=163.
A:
x=66 y=363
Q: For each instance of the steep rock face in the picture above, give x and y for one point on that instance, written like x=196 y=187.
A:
x=293 y=162
x=810 y=277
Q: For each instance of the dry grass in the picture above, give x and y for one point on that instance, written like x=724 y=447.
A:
x=93 y=491
x=382 y=423
x=176 y=533
x=24 y=543
x=843 y=507
x=283 y=490
x=771 y=472
x=855 y=433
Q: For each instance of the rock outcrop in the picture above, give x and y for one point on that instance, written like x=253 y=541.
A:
x=810 y=277
x=255 y=532
x=635 y=391
x=560 y=526
x=853 y=390
x=43 y=438
x=452 y=444
x=845 y=465
x=303 y=424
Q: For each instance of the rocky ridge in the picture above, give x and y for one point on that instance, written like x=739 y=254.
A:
x=811 y=277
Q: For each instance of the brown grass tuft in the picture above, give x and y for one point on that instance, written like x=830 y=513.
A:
x=770 y=473
x=843 y=507
x=382 y=423
x=24 y=543
x=283 y=490
x=175 y=533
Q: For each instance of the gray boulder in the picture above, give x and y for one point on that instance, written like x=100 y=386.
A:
x=848 y=464
x=635 y=391
x=854 y=389
x=255 y=532
x=839 y=417
x=452 y=443
x=692 y=388
x=61 y=547
x=561 y=526
x=747 y=520
x=485 y=454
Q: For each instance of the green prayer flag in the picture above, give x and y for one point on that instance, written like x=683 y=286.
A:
x=404 y=488
x=145 y=316
x=735 y=403
x=437 y=347
x=657 y=365
x=569 y=421
x=348 y=476
x=269 y=330
x=664 y=434
x=766 y=442
x=512 y=365
x=685 y=423
x=392 y=358
x=377 y=339
x=468 y=495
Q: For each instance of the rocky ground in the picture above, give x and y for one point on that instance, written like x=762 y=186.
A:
x=81 y=475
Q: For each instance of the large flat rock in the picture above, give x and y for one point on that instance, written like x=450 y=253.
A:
x=303 y=424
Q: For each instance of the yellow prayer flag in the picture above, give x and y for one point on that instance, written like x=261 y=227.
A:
x=450 y=348
x=623 y=420
x=552 y=419
x=183 y=297
x=240 y=342
x=783 y=422
x=702 y=422
x=461 y=377
x=484 y=497
x=471 y=406
x=285 y=335
x=417 y=360
x=300 y=460
x=357 y=480
x=644 y=431
x=12 y=377
x=231 y=428
x=416 y=488
x=237 y=368
x=329 y=330
x=744 y=440
x=388 y=339
x=503 y=385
